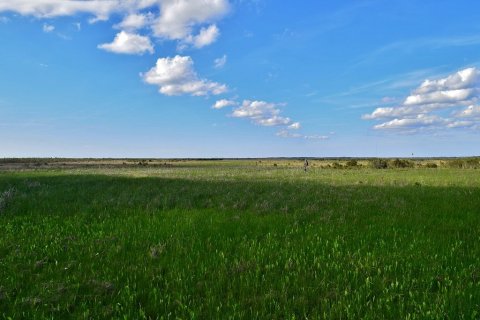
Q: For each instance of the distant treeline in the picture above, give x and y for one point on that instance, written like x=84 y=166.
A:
x=458 y=163
x=335 y=163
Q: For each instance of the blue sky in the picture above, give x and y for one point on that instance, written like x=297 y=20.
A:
x=239 y=78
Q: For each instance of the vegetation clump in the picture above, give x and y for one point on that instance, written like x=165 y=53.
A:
x=5 y=198
x=469 y=163
x=352 y=163
x=379 y=164
x=401 y=163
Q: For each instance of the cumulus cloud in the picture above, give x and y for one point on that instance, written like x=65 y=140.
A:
x=178 y=20
x=135 y=21
x=224 y=103
x=177 y=17
x=177 y=76
x=100 y=9
x=205 y=37
x=266 y=114
x=420 y=120
x=261 y=113
x=220 y=62
x=469 y=112
x=128 y=43
x=426 y=106
x=463 y=79
x=47 y=28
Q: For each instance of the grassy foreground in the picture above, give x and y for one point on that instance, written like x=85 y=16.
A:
x=236 y=240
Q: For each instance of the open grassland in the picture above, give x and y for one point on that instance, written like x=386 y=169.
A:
x=238 y=240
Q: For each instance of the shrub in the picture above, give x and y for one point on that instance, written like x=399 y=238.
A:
x=379 y=163
x=471 y=163
x=398 y=163
x=352 y=163
x=5 y=197
x=337 y=165
x=431 y=165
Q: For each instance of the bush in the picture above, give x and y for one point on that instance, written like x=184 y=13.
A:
x=379 y=164
x=352 y=163
x=471 y=163
x=398 y=163
x=337 y=165
x=431 y=165
x=5 y=198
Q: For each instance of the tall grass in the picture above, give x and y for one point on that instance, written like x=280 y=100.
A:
x=240 y=242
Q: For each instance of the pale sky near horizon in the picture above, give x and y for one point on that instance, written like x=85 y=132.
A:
x=239 y=78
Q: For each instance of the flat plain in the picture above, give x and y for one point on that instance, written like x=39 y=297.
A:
x=238 y=239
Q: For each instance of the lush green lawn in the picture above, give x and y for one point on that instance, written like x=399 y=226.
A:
x=240 y=241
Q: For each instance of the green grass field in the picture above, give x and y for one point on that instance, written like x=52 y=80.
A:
x=239 y=240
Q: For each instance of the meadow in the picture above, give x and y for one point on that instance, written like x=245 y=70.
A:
x=239 y=239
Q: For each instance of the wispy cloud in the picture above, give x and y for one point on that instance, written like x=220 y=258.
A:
x=47 y=28
x=220 y=62
x=413 y=45
x=359 y=96
x=289 y=134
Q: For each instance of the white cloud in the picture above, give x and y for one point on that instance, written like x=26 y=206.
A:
x=461 y=124
x=261 y=113
x=128 y=43
x=206 y=37
x=444 y=96
x=177 y=17
x=101 y=9
x=287 y=134
x=420 y=120
x=469 y=112
x=224 y=103
x=47 y=28
x=265 y=114
x=294 y=126
x=317 y=137
x=462 y=79
x=425 y=107
x=135 y=21
x=176 y=76
x=220 y=62
x=168 y=19
x=273 y=121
